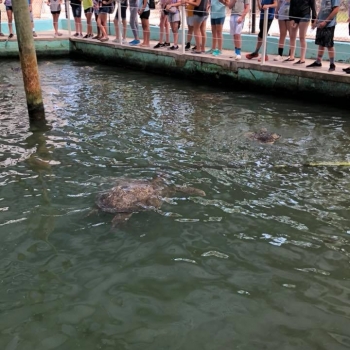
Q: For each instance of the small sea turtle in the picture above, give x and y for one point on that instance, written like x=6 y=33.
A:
x=263 y=136
x=130 y=196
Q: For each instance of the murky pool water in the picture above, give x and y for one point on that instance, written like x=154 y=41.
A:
x=261 y=262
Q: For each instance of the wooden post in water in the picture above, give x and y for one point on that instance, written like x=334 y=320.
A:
x=28 y=59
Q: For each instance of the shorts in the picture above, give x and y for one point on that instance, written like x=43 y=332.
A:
x=236 y=28
x=105 y=9
x=261 y=26
x=199 y=19
x=9 y=8
x=301 y=19
x=189 y=21
x=89 y=10
x=217 y=21
x=76 y=10
x=123 y=12
x=324 y=36
x=145 y=14
x=174 y=17
x=55 y=12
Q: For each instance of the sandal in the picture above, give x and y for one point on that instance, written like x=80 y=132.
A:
x=289 y=59
x=299 y=62
x=104 y=39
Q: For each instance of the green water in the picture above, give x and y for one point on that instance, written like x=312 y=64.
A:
x=261 y=262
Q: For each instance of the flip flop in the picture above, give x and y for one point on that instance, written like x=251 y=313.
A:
x=289 y=59
x=299 y=62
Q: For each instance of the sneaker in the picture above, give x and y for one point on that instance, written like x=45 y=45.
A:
x=173 y=47
x=167 y=44
x=216 y=53
x=346 y=69
x=96 y=37
x=124 y=41
x=315 y=64
x=209 y=51
x=251 y=55
x=10 y=36
x=35 y=34
x=238 y=57
x=159 y=45
x=266 y=58
x=115 y=41
x=76 y=34
x=331 y=67
x=278 y=58
x=86 y=36
x=134 y=42
x=194 y=48
x=188 y=46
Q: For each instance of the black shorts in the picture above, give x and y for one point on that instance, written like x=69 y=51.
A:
x=76 y=10
x=145 y=14
x=89 y=10
x=123 y=11
x=55 y=12
x=261 y=27
x=324 y=36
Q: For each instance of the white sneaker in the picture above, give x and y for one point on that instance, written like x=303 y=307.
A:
x=278 y=58
x=124 y=41
x=238 y=57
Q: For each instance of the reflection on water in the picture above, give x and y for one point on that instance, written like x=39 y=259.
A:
x=261 y=262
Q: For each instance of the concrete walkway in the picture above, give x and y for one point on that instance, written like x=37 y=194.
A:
x=225 y=57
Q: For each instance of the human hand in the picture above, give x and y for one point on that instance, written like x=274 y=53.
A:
x=239 y=19
x=321 y=24
x=293 y=24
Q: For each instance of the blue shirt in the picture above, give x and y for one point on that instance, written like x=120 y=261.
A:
x=271 y=9
x=325 y=10
x=217 y=9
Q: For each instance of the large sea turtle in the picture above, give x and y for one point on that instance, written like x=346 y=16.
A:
x=129 y=196
x=263 y=136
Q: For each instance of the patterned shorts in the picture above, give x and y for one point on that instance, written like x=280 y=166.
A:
x=324 y=36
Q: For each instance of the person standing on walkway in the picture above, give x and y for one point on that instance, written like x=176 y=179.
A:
x=134 y=22
x=347 y=70
x=88 y=7
x=31 y=17
x=264 y=4
x=9 y=13
x=164 y=30
x=217 y=20
x=123 y=5
x=144 y=13
x=174 y=18
x=282 y=15
x=200 y=16
x=300 y=13
x=1 y=34
x=96 y=7
x=106 y=8
x=189 y=20
x=76 y=10
x=239 y=9
x=55 y=8
x=325 y=23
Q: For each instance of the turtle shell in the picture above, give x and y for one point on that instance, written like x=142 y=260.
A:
x=129 y=196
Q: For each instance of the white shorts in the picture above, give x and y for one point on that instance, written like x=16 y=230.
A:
x=174 y=17
x=235 y=28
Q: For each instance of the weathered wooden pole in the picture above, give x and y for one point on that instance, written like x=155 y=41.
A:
x=28 y=59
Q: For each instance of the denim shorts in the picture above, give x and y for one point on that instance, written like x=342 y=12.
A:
x=76 y=10
x=9 y=8
x=217 y=21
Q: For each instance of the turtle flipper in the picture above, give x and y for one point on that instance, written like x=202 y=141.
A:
x=120 y=218
x=190 y=190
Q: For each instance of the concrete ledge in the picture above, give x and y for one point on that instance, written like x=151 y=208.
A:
x=272 y=77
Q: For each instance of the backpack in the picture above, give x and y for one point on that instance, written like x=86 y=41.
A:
x=151 y=4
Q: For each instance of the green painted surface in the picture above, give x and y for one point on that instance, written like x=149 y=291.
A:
x=49 y=47
x=217 y=71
